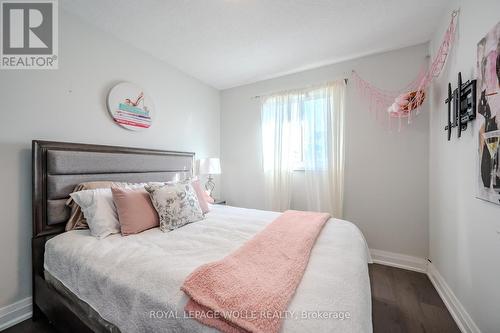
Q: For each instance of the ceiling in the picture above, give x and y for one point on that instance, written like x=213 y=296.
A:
x=226 y=43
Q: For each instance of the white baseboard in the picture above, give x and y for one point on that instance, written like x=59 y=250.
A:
x=456 y=309
x=399 y=260
x=15 y=313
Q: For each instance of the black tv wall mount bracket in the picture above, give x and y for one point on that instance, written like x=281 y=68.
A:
x=464 y=105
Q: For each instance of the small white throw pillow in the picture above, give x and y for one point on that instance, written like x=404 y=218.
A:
x=99 y=210
x=176 y=204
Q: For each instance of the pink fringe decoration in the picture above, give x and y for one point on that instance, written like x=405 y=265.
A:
x=405 y=102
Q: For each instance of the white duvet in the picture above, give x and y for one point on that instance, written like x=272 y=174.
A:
x=133 y=282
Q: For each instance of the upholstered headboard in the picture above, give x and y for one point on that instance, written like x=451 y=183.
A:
x=58 y=167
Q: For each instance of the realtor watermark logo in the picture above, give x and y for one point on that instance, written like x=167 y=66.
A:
x=29 y=34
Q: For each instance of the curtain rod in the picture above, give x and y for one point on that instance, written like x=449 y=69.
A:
x=310 y=86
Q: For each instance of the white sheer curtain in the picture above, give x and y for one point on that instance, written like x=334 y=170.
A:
x=324 y=148
x=303 y=130
x=279 y=139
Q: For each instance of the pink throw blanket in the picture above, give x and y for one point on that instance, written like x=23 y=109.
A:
x=249 y=290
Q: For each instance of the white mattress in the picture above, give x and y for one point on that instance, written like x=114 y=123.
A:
x=127 y=279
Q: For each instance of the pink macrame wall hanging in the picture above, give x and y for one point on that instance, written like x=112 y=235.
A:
x=406 y=102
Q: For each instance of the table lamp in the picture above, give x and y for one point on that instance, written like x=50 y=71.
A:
x=209 y=166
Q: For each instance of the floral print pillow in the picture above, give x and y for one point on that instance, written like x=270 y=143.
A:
x=176 y=204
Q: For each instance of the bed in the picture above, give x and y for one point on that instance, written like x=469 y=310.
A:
x=132 y=284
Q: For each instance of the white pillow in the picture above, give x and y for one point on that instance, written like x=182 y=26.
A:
x=99 y=210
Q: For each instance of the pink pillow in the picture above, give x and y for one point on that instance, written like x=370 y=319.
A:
x=201 y=196
x=208 y=198
x=135 y=210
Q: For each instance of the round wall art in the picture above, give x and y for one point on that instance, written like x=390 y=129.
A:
x=130 y=107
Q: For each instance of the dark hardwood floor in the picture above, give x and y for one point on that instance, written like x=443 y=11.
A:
x=403 y=302
x=406 y=301
x=26 y=326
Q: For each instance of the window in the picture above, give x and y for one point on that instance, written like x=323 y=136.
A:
x=304 y=129
x=299 y=123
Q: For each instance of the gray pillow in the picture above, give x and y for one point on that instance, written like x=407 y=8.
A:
x=176 y=204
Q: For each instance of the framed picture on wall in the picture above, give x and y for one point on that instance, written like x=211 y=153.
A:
x=488 y=108
x=130 y=107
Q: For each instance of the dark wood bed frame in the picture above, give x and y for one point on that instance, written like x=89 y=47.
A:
x=47 y=301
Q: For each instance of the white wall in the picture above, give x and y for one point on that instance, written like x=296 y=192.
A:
x=386 y=184
x=464 y=238
x=69 y=105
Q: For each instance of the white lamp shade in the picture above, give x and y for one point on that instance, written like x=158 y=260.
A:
x=209 y=166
